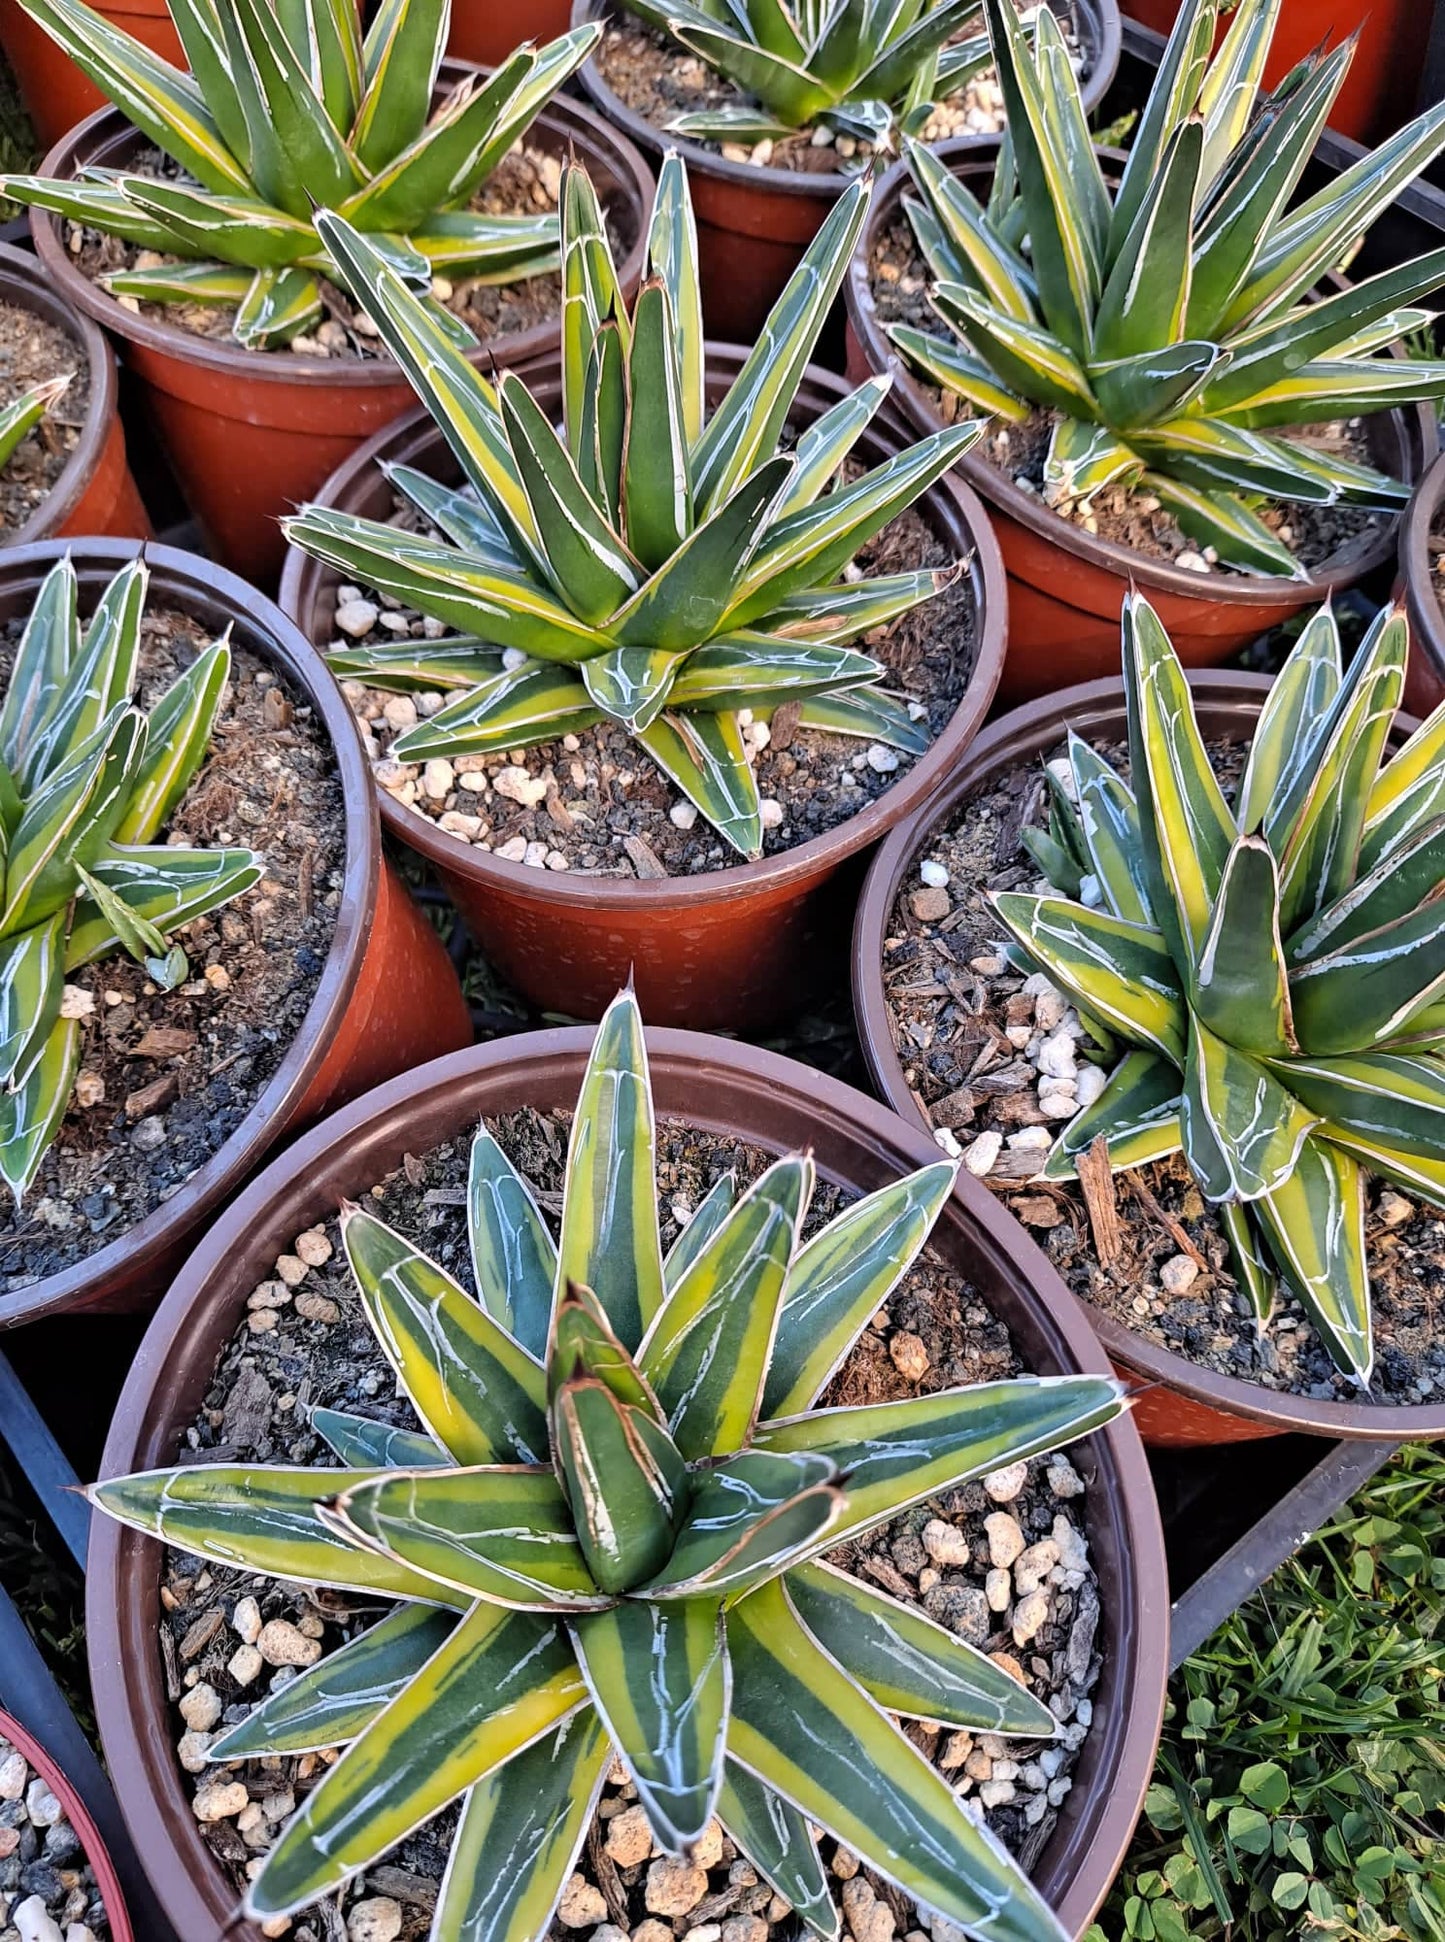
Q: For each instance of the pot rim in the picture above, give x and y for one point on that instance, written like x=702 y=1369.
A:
x=1025 y=508
x=959 y=504
x=1427 y=621
x=759 y=1095
x=23 y=285
x=226 y=358
x=1095 y=708
x=222 y=596
x=829 y=185
x=78 y=1814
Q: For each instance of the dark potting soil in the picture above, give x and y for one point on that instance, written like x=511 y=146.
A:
x=969 y=1032
x=33 y=349
x=166 y=1077
x=597 y=803
x=527 y=181
x=656 y=77
x=305 y=1343
x=1318 y=536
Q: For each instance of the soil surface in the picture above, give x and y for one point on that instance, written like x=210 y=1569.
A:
x=1436 y=546
x=1318 y=536
x=526 y=181
x=33 y=349
x=168 y=1076
x=659 y=80
x=597 y=803
x=973 y=1035
x=44 y=1875
x=305 y=1343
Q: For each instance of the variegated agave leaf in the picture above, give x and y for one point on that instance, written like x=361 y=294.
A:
x=862 y=71
x=87 y=782
x=1276 y=963
x=1167 y=321
x=656 y=567
x=606 y=1536
x=288 y=108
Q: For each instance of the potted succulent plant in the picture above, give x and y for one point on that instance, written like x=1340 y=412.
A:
x=1384 y=82
x=657 y=594
x=1419 y=578
x=56 y=93
x=54 y=1816
x=1243 y=1186
x=182 y=221
x=1173 y=406
x=777 y=109
x=176 y=997
x=63 y=466
x=607 y=1523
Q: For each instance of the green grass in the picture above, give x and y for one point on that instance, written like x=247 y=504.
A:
x=1301 y=1781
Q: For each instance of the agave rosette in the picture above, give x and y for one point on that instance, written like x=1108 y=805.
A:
x=1275 y=966
x=1174 y=323
x=648 y=565
x=861 y=68
x=608 y=1536
x=24 y=413
x=87 y=782
x=288 y=108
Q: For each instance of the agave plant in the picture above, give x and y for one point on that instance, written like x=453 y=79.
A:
x=87 y=782
x=24 y=413
x=286 y=110
x=857 y=68
x=1170 y=322
x=608 y=1536
x=1276 y=967
x=649 y=566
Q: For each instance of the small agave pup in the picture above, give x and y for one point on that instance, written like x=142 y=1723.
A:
x=87 y=781
x=650 y=566
x=856 y=68
x=1169 y=322
x=1277 y=965
x=287 y=109
x=24 y=413
x=608 y=1536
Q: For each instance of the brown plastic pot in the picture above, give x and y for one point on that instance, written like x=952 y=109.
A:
x=486 y=31
x=1177 y=1404
x=716 y=1087
x=83 y=1827
x=726 y=949
x=95 y=493
x=388 y=997
x=753 y=224
x=1066 y=586
x=55 y=92
x=251 y=434
x=1425 y=684
x=1380 y=90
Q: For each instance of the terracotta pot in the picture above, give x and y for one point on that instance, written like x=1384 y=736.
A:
x=83 y=1827
x=251 y=434
x=1177 y=1403
x=753 y=224
x=56 y=94
x=388 y=997
x=724 y=949
x=1066 y=586
x=717 y=1087
x=1425 y=684
x=1380 y=90
x=95 y=493
x=486 y=31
